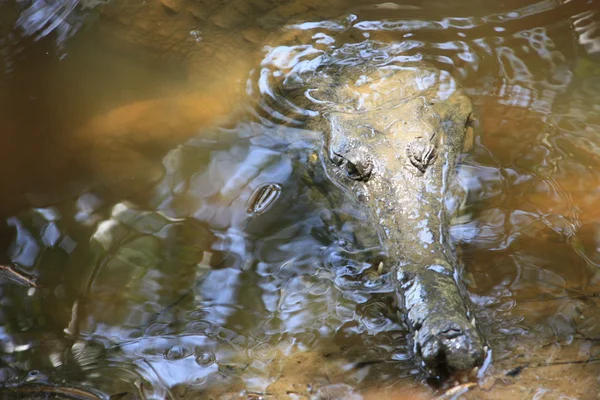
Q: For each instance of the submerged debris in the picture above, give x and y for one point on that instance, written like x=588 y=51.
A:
x=456 y=391
x=17 y=276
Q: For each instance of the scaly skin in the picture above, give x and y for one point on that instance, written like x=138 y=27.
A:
x=394 y=137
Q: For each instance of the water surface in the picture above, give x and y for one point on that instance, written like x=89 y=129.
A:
x=138 y=135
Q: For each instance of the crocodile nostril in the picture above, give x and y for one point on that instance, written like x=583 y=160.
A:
x=452 y=332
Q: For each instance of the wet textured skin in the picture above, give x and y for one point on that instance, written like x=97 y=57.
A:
x=393 y=138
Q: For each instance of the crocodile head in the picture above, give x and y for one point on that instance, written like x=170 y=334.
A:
x=394 y=135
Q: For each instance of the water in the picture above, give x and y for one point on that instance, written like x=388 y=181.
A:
x=139 y=136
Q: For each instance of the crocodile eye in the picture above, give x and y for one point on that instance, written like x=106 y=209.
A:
x=352 y=170
x=421 y=153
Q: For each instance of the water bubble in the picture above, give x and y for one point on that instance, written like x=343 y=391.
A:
x=264 y=352
x=175 y=353
x=263 y=198
x=35 y=376
x=205 y=359
x=349 y=19
x=197 y=35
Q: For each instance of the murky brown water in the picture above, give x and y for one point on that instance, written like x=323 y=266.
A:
x=131 y=208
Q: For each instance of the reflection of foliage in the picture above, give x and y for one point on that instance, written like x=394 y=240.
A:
x=39 y=18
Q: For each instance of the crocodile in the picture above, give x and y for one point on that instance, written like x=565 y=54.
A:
x=393 y=137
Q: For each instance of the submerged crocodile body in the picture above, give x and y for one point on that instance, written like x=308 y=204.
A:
x=393 y=137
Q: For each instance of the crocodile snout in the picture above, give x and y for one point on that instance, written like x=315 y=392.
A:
x=445 y=337
x=451 y=345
